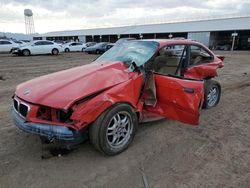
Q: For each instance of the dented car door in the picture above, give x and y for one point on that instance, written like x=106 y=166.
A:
x=178 y=98
x=202 y=64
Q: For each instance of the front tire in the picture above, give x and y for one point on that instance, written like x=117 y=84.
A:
x=55 y=51
x=66 y=50
x=114 y=129
x=212 y=94
x=26 y=52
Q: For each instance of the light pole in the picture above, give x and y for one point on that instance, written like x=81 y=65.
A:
x=233 y=35
x=141 y=36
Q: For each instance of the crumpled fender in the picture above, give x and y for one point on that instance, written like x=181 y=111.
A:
x=203 y=71
x=126 y=92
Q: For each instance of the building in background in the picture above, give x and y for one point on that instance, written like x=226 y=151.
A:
x=214 y=33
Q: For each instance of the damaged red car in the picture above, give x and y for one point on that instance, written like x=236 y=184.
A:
x=135 y=81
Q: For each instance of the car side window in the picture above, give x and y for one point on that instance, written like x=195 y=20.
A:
x=199 y=55
x=38 y=43
x=5 y=42
x=170 y=60
x=46 y=43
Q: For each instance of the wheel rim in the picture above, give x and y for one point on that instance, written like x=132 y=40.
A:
x=212 y=96
x=26 y=52
x=119 y=129
x=54 y=51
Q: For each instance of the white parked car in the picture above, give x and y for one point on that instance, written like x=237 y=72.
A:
x=7 y=45
x=74 y=47
x=39 y=47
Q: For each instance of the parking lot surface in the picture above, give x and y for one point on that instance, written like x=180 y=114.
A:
x=164 y=153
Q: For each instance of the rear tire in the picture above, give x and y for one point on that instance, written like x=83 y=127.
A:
x=212 y=94
x=26 y=52
x=97 y=52
x=55 y=51
x=114 y=129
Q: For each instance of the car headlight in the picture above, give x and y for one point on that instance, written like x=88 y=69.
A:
x=63 y=116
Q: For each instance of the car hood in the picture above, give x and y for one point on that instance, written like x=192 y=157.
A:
x=64 y=88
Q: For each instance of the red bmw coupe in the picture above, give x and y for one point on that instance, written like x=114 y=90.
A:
x=135 y=81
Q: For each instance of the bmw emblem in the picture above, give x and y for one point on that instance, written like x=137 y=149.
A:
x=26 y=92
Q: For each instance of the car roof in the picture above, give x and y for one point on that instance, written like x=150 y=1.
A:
x=164 y=42
x=42 y=41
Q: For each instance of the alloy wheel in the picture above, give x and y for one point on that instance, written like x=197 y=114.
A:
x=119 y=129
x=212 y=96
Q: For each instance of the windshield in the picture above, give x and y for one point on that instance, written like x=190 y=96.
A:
x=138 y=52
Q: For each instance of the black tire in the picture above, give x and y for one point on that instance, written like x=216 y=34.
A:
x=26 y=52
x=55 y=51
x=210 y=87
x=83 y=49
x=98 y=132
x=97 y=52
x=67 y=50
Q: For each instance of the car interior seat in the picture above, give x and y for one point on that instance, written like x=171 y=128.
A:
x=195 y=57
x=167 y=62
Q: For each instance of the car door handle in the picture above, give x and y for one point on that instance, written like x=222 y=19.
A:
x=188 y=90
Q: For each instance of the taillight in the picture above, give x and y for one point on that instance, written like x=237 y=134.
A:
x=221 y=57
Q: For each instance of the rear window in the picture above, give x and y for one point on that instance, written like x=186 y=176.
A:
x=199 y=55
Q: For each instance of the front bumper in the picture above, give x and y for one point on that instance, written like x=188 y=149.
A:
x=16 y=51
x=45 y=130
